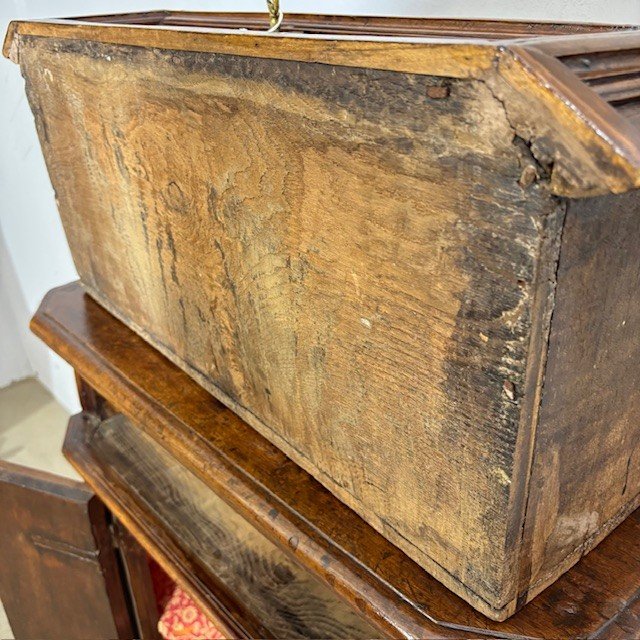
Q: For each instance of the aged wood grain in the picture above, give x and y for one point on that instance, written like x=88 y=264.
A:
x=466 y=60
x=269 y=586
x=315 y=271
x=119 y=371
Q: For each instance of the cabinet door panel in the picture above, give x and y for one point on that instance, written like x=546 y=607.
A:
x=60 y=576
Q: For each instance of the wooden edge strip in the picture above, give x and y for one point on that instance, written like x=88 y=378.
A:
x=544 y=292
x=9 y=45
x=446 y=57
x=141 y=524
x=360 y=24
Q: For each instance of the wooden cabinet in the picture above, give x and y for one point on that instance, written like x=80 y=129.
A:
x=391 y=256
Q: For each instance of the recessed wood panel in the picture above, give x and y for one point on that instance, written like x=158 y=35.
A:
x=180 y=516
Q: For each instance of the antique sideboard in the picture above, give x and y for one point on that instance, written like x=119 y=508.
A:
x=387 y=245
x=260 y=545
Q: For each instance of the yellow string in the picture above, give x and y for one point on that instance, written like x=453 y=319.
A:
x=274 y=12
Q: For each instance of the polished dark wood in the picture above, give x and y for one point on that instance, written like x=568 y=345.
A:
x=59 y=575
x=595 y=598
x=135 y=565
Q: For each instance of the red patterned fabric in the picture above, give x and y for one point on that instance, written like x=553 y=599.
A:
x=180 y=618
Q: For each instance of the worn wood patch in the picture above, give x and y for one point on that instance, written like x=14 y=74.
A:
x=346 y=257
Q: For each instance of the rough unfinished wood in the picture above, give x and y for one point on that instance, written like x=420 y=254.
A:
x=359 y=261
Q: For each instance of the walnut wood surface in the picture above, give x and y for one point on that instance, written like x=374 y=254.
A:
x=597 y=597
x=273 y=596
x=59 y=575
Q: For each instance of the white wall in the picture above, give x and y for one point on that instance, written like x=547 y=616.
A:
x=14 y=362
x=33 y=253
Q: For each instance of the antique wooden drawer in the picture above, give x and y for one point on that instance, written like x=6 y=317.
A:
x=405 y=251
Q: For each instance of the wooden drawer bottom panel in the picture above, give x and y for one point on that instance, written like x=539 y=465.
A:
x=241 y=579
